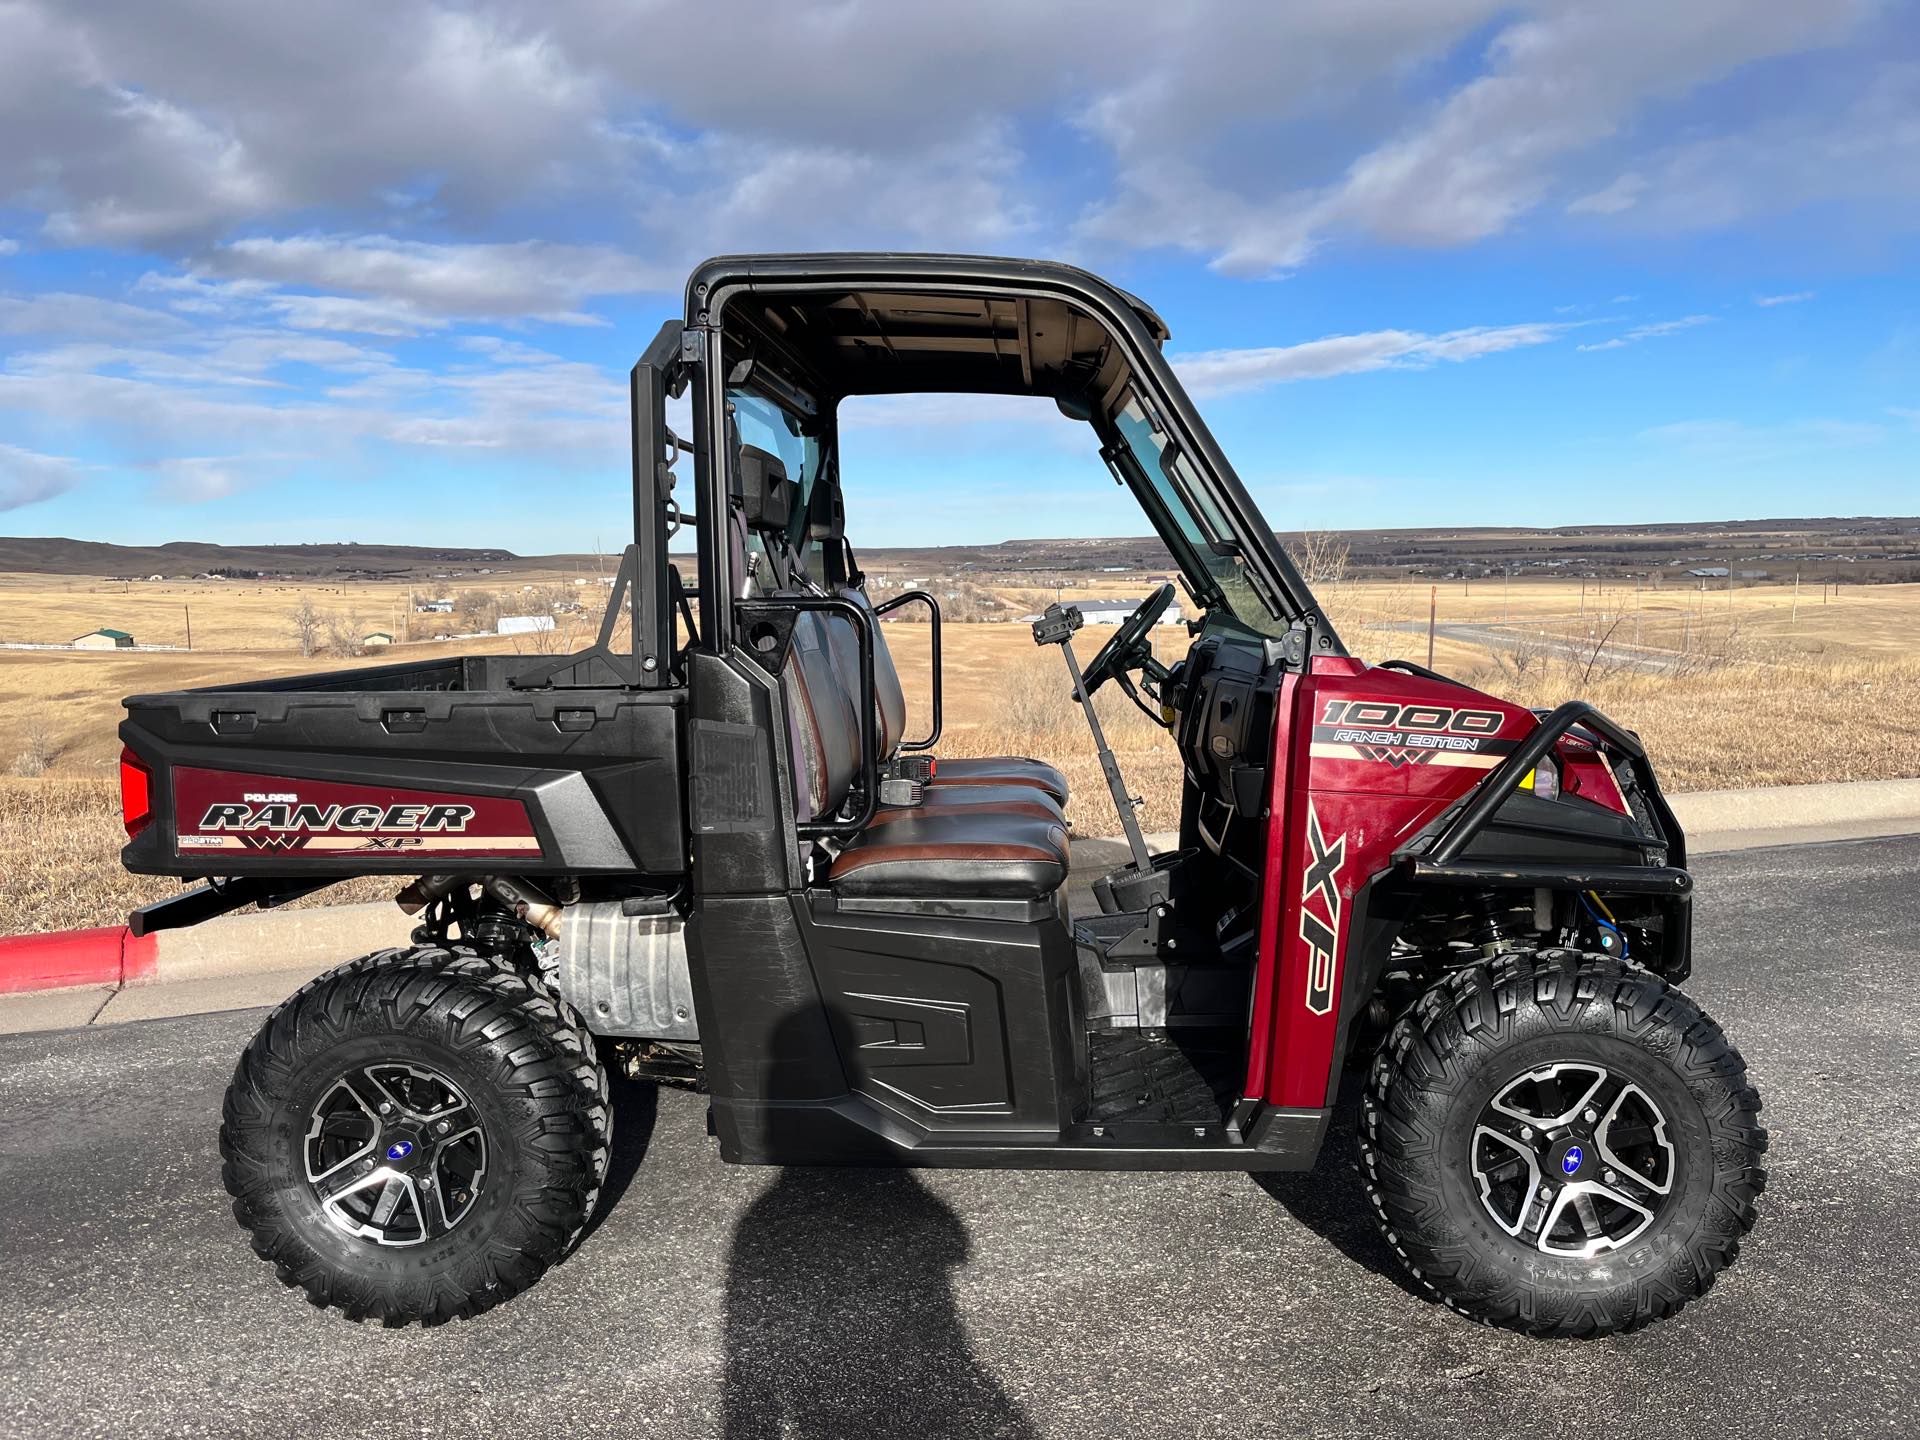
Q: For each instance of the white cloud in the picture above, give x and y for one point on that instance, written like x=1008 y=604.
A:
x=169 y=403
x=1558 y=86
x=26 y=476
x=1858 y=149
x=1252 y=139
x=1796 y=298
x=196 y=479
x=1219 y=371
x=1649 y=332
x=1733 y=441
x=82 y=317
x=530 y=278
x=1623 y=194
x=8 y=246
x=137 y=128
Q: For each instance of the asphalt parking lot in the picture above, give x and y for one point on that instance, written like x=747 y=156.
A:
x=715 y=1300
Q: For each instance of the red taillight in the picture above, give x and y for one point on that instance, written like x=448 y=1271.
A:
x=136 y=793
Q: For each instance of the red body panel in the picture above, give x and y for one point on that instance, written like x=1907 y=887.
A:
x=1363 y=758
x=218 y=810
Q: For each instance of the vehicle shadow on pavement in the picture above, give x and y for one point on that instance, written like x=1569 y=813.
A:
x=635 y=1104
x=841 y=1318
x=1331 y=1199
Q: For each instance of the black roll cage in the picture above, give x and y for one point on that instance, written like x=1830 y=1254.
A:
x=1134 y=328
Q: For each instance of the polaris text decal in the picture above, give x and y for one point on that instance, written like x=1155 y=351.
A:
x=1395 y=734
x=1320 y=927
x=222 y=810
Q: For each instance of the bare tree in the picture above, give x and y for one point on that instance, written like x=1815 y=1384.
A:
x=1524 y=653
x=1321 y=558
x=38 y=748
x=303 y=621
x=477 y=610
x=344 y=633
x=1595 y=654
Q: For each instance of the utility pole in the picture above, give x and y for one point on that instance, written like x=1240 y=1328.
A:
x=189 y=611
x=1433 y=611
x=1793 y=615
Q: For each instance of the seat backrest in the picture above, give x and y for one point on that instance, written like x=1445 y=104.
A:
x=889 y=699
x=823 y=717
x=826 y=529
x=823 y=727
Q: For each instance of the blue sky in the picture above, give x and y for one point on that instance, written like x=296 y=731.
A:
x=375 y=271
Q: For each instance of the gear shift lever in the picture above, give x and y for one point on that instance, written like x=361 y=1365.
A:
x=1056 y=627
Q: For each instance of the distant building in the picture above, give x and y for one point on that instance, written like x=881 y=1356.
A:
x=434 y=607
x=1709 y=572
x=1112 y=612
x=378 y=637
x=104 y=640
x=523 y=624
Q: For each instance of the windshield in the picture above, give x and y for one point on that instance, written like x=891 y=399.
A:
x=771 y=427
x=1216 y=572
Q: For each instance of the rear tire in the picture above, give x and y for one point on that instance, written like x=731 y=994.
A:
x=416 y=1135
x=1616 y=1217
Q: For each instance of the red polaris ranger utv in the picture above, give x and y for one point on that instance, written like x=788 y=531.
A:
x=713 y=847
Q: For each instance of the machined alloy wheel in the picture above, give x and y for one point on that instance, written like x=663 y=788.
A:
x=1574 y=1158
x=395 y=1154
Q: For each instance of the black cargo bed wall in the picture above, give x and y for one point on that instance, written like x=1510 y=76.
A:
x=601 y=771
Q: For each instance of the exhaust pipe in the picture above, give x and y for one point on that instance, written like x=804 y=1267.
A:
x=424 y=891
x=526 y=902
x=520 y=899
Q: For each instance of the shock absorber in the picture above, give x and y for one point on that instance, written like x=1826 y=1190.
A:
x=1497 y=925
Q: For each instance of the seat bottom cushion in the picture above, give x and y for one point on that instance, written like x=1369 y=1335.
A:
x=1001 y=770
x=1014 y=852
x=1014 y=799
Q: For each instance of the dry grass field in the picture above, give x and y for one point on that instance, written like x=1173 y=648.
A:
x=1762 y=690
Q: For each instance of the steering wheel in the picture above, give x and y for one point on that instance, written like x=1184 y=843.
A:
x=1130 y=649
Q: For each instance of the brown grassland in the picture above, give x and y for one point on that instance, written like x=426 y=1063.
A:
x=1757 y=687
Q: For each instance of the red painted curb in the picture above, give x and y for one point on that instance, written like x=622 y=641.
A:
x=108 y=955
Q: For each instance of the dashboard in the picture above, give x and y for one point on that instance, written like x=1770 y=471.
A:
x=1223 y=696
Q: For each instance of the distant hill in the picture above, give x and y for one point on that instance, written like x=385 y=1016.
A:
x=58 y=556
x=1859 y=548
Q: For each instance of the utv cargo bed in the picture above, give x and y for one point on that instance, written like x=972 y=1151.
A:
x=402 y=769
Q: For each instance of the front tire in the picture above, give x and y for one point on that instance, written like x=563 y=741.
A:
x=1561 y=1144
x=416 y=1135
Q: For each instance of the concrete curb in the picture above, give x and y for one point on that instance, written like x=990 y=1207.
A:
x=109 y=955
x=231 y=945
x=1788 y=814
x=292 y=941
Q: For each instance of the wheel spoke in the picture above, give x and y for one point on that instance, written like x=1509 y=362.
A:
x=349 y=1175
x=431 y=1203
x=1604 y=1092
x=1621 y=1140
x=1516 y=1159
x=1589 y=1217
x=1513 y=1128
x=392 y=1190
x=1547 y=1089
x=453 y=1121
x=372 y=1092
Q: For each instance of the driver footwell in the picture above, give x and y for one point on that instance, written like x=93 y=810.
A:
x=1184 y=1076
